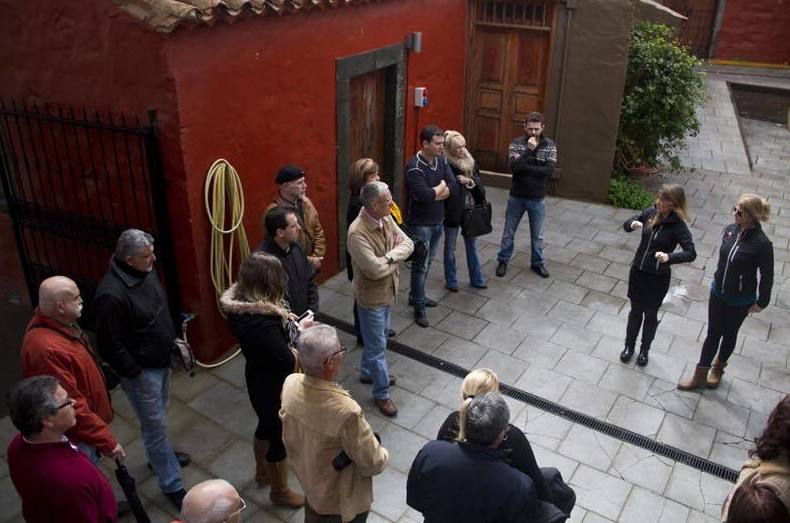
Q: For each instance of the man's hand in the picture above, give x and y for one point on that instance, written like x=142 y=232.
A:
x=755 y=308
x=532 y=143
x=442 y=191
x=662 y=256
x=315 y=261
x=118 y=453
x=636 y=224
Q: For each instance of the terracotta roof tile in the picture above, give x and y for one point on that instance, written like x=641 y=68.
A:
x=166 y=15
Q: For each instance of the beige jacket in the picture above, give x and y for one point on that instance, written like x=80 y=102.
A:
x=774 y=473
x=320 y=419
x=312 y=234
x=376 y=280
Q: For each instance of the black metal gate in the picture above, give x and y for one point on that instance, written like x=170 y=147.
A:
x=73 y=181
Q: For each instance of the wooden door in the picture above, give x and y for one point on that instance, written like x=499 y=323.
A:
x=368 y=118
x=508 y=61
x=697 y=29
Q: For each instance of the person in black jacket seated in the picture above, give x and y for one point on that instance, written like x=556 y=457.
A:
x=282 y=240
x=258 y=317
x=517 y=447
x=363 y=171
x=470 y=481
x=532 y=161
x=136 y=335
x=467 y=174
x=734 y=291
x=663 y=229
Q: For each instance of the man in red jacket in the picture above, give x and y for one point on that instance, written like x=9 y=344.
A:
x=55 y=345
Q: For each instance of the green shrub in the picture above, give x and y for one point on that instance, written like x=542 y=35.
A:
x=629 y=195
x=663 y=85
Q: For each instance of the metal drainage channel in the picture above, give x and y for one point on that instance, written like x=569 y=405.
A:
x=638 y=440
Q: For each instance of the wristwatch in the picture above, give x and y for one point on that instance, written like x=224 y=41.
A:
x=390 y=261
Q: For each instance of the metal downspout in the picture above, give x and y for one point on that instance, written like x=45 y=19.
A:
x=570 y=5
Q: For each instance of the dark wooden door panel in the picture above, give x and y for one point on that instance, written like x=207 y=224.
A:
x=507 y=75
x=368 y=116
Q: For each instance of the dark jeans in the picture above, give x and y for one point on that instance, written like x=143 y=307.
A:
x=311 y=516
x=724 y=321
x=635 y=315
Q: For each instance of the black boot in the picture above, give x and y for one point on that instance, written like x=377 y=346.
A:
x=648 y=333
x=627 y=353
x=631 y=331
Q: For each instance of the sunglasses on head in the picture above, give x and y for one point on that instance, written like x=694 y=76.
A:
x=737 y=211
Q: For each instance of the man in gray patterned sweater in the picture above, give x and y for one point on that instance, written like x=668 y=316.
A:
x=532 y=161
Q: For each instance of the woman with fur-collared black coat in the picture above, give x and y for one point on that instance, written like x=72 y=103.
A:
x=259 y=318
x=663 y=229
x=744 y=250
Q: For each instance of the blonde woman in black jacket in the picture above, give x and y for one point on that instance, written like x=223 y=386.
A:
x=663 y=229
x=744 y=250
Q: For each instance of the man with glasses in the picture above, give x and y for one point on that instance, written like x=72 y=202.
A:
x=376 y=245
x=55 y=480
x=332 y=448
x=55 y=345
x=212 y=501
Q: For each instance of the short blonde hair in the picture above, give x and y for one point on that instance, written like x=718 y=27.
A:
x=757 y=209
x=476 y=383
x=479 y=381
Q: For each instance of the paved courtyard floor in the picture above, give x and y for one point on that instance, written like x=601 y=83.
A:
x=558 y=338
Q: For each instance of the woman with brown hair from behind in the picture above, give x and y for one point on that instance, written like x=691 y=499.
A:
x=763 y=486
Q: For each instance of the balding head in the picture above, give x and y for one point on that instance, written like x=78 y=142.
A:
x=59 y=299
x=212 y=501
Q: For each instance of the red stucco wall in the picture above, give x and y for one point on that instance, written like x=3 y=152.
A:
x=261 y=93
x=755 y=31
x=90 y=54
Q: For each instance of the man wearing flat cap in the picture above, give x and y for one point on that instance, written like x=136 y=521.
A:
x=291 y=195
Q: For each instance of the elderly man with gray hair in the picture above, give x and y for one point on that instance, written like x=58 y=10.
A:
x=331 y=447
x=376 y=245
x=469 y=481
x=136 y=336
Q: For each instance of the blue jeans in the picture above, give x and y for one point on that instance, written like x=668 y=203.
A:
x=430 y=234
x=89 y=451
x=472 y=261
x=149 y=393
x=536 y=211
x=374 y=324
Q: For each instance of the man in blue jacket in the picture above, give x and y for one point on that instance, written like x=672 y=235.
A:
x=532 y=161
x=469 y=481
x=429 y=181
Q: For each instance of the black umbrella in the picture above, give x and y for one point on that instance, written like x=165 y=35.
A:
x=127 y=483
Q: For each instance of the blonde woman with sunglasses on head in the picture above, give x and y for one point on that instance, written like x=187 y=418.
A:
x=736 y=290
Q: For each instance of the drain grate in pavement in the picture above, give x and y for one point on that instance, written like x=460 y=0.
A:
x=638 y=440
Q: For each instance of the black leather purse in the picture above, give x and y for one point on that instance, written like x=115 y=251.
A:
x=476 y=218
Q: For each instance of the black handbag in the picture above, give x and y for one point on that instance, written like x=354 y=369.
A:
x=476 y=218
x=420 y=251
x=563 y=495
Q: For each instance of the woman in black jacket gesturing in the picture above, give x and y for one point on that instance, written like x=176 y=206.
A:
x=663 y=229
x=258 y=317
x=744 y=250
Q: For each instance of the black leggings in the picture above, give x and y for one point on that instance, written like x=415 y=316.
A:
x=724 y=321
x=638 y=311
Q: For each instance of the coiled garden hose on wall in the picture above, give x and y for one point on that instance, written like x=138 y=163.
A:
x=224 y=198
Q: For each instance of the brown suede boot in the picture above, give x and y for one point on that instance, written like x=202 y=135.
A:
x=715 y=373
x=261 y=447
x=697 y=381
x=281 y=494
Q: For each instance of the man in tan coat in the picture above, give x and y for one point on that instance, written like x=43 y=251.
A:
x=376 y=245
x=291 y=195
x=331 y=447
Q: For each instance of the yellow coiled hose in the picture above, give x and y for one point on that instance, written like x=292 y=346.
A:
x=224 y=199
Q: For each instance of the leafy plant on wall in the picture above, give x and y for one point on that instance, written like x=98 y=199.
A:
x=663 y=87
